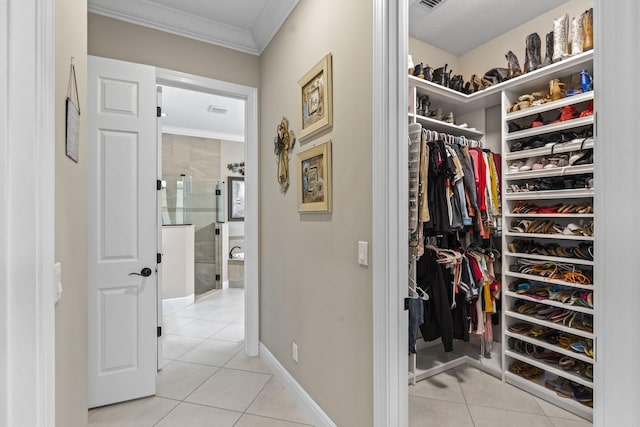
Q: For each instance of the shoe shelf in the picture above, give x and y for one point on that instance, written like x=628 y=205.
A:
x=552 y=105
x=539 y=79
x=536 y=387
x=549 y=367
x=550 y=302
x=550 y=215
x=446 y=98
x=553 y=127
x=542 y=343
x=550 y=258
x=523 y=179
x=557 y=171
x=546 y=280
x=556 y=236
x=571 y=193
x=565 y=147
x=441 y=126
x=542 y=322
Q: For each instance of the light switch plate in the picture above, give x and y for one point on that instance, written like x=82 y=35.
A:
x=363 y=253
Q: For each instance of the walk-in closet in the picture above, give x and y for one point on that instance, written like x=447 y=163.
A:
x=501 y=197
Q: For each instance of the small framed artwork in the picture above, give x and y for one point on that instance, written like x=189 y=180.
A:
x=314 y=179
x=236 y=198
x=315 y=106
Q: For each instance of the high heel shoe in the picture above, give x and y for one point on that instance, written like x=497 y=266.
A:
x=557 y=90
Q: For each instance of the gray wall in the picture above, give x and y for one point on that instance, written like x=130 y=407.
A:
x=312 y=290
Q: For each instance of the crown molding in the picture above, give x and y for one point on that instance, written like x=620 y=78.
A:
x=196 y=27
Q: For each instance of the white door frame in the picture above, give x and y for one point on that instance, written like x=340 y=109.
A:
x=251 y=263
x=27 y=140
x=390 y=222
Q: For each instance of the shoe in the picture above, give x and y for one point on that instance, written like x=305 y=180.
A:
x=561 y=38
x=515 y=166
x=587 y=159
x=588 y=30
x=514 y=127
x=568 y=113
x=538 y=121
x=513 y=66
x=557 y=90
x=586 y=81
x=588 y=111
x=575 y=156
x=532 y=52
x=418 y=71
x=548 y=58
x=577 y=35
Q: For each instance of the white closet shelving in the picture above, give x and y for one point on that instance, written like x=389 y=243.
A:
x=581 y=194
x=474 y=106
x=431 y=358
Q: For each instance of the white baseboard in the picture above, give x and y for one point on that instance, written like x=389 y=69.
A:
x=171 y=304
x=302 y=398
x=225 y=284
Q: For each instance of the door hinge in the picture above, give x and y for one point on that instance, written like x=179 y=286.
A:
x=158 y=185
x=217 y=277
x=159 y=331
x=217 y=231
x=218 y=192
x=158 y=111
x=158 y=258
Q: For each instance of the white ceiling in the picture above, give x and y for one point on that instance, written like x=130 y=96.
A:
x=186 y=114
x=458 y=26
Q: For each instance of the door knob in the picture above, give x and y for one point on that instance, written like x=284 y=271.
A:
x=145 y=272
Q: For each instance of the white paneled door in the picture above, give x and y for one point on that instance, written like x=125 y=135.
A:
x=122 y=162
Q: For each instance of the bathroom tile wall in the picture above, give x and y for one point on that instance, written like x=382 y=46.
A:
x=200 y=158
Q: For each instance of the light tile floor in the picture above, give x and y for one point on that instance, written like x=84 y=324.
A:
x=468 y=397
x=206 y=379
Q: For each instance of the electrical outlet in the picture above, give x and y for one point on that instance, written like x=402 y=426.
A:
x=294 y=352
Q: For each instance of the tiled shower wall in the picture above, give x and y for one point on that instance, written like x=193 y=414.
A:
x=200 y=158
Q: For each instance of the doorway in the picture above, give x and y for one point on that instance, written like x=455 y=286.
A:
x=251 y=242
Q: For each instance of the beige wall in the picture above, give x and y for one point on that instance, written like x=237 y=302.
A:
x=71 y=221
x=492 y=54
x=116 y=39
x=432 y=56
x=312 y=290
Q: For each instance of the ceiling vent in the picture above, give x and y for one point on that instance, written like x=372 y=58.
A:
x=216 y=109
x=430 y=4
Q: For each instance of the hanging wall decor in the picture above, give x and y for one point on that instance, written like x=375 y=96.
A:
x=314 y=179
x=72 y=109
x=283 y=146
x=236 y=167
x=315 y=103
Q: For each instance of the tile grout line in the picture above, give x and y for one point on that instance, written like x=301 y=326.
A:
x=466 y=403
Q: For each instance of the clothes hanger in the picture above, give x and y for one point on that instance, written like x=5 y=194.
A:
x=420 y=293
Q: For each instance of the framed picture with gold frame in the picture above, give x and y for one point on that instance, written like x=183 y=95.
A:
x=315 y=106
x=314 y=179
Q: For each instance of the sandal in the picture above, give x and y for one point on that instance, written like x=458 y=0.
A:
x=555 y=384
